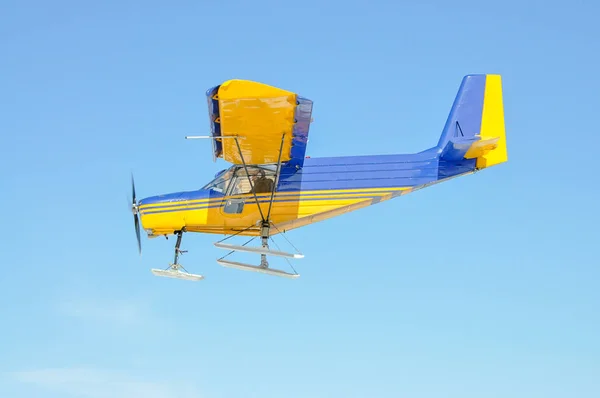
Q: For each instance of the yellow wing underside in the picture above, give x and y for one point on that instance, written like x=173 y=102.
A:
x=261 y=114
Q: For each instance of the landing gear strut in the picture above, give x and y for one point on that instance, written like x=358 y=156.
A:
x=264 y=238
x=175 y=270
x=176 y=265
x=264 y=250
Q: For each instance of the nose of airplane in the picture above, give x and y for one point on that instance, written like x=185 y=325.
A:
x=169 y=213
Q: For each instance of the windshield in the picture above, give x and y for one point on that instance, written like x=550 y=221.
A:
x=220 y=183
x=263 y=176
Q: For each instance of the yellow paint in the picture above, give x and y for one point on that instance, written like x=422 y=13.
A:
x=351 y=190
x=174 y=220
x=313 y=218
x=175 y=204
x=319 y=194
x=213 y=220
x=492 y=123
x=260 y=113
x=481 y=147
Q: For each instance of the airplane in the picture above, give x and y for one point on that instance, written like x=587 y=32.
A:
x=272 y=187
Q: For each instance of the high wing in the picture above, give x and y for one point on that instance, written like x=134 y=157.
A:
x=260 y=114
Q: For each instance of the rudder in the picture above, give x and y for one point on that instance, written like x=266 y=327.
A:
x=475 y=126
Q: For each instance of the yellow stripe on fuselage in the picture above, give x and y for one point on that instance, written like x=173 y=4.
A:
x=292 y=206
x=317 y=194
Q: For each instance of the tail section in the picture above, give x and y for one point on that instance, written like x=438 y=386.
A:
x=475 y=126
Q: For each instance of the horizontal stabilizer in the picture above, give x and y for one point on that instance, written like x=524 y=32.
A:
x=481 y=148
x=176 y=274
x=260 y=250
x=457 y=148
x=468 y=148
x=256 y=268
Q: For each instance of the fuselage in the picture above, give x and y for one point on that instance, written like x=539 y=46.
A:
x=321 y=189
x=310 y=190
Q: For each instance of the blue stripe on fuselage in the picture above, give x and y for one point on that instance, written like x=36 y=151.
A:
x=173 y=198
x=350 y=173
x=361 y=172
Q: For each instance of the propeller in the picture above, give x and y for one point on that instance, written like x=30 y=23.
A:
x=134 y=210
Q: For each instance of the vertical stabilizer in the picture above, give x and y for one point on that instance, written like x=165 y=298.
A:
x=475 y=126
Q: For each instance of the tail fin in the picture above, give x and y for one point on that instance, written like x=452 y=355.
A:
x=475 y=126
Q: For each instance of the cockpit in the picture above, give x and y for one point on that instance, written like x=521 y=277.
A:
x=235 y=181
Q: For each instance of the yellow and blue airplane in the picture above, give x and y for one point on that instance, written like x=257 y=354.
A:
x=272 y=187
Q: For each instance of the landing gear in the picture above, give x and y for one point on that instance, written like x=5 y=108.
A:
x=264 y=239
x=177 y=250
x=175 y=269
x=264 y=250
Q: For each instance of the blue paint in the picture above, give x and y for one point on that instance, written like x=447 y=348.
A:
x=172 y=198
x=464 y=120
x=159 y=210
x=303 y=117
x=456 y=149
x=444 y=160
x=213 y=116
x=263 y=200
x=450 y=169
x=466 y=110
x=360 y=172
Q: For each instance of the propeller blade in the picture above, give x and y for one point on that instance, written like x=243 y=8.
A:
x=132 y=189
x=137 y=232
x=136 y=219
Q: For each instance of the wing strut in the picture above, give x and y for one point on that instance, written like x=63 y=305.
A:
x=266 y=220
x=250 y=180
x=265 y=232
x=276 y=178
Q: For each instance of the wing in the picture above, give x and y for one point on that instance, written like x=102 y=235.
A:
x=261 y=114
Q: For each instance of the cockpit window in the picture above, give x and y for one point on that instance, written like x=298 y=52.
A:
x=221 y=182
x=263 y=179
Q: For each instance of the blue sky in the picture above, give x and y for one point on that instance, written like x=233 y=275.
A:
x=483 y=286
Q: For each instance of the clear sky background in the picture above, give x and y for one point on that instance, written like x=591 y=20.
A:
x=484 y=286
